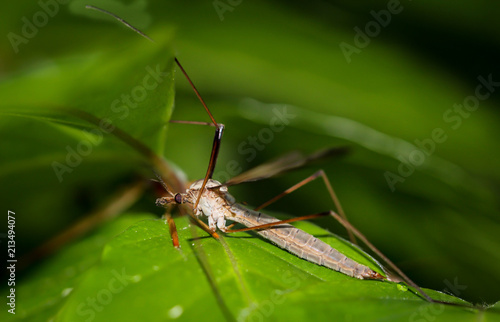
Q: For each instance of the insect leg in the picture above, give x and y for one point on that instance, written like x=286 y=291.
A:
x=315 y=175
x=117 y=203
x=393 y=266
x=217 y=137
x=172 y=228
x=219 y=127
x=276 y=223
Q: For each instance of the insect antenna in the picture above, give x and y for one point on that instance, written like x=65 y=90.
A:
x=164 y=185
x=217 y=138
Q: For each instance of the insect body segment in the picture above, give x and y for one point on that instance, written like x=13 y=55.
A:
x=302 y=244
x=218 y=205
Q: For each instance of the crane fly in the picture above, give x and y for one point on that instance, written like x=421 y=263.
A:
x=218 y=205
x=211 y=198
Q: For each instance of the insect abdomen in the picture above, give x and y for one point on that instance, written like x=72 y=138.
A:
x=304 y=245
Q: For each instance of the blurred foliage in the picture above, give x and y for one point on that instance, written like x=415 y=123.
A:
x=440 y=224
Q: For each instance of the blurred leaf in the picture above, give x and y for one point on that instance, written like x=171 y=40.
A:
x=121 y=91
x=53 y=156
x=45 y=291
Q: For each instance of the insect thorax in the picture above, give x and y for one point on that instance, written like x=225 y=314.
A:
x=210 y=184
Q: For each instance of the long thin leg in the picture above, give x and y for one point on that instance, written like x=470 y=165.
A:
x=196 y=91
x=340 y=218
x=192 y=122
x=277 y=223
x=185 y=210
x=349 y=227
x=217 y=137
x=393 y=266
x=120 y=20
x=220 y=127
x=172 y=228
x=120 y=201
x=215 y=150
x=202 y=258
x=304 y=182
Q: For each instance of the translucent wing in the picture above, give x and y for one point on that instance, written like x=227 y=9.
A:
x=287 y=162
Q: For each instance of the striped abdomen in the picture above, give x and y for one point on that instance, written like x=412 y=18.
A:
x=302 y=244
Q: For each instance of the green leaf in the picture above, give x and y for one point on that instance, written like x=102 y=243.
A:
x=251 y=278
x=44 y=292
x=127 y=93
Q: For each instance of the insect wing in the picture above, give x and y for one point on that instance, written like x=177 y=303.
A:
x=287 y=162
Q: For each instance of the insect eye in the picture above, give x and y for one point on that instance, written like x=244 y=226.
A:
x=178 y=198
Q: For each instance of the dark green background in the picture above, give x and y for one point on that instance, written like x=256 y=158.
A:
x=440 y=225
